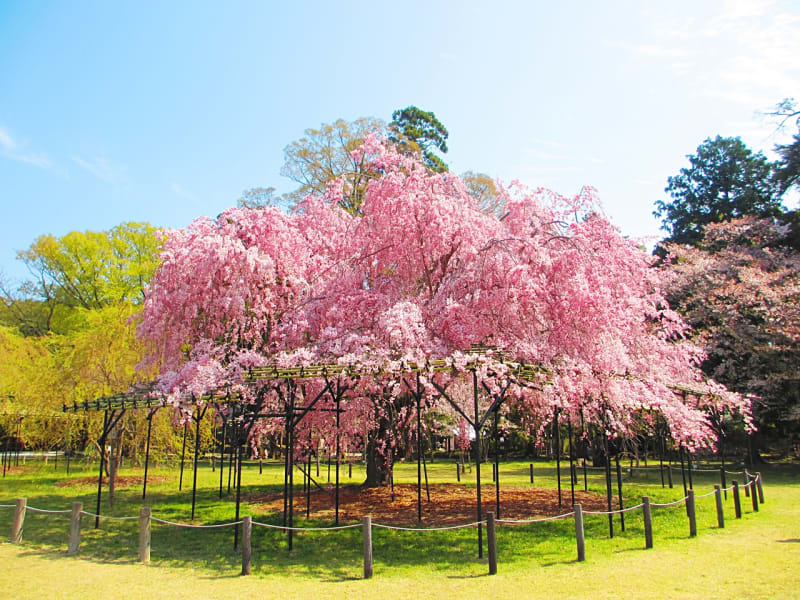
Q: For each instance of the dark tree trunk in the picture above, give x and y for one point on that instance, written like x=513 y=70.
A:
x=378 y=466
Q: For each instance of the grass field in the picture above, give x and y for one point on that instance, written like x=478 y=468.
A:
x=757 y=556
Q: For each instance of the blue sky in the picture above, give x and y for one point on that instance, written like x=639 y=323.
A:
x=163 y=112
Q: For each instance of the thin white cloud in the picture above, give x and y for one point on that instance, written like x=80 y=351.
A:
x=662 y=51
x=35 y=159
x=183 y=193
x=102 y=169
x=14 y=150
x=6 y=141
x=541 y=155
x=597 y=161
x=550 y=143
x=745 y=52
x=549 y=169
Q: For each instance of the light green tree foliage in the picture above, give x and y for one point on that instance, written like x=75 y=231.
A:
x=484 y=189
x=69 y=333
x=86 y=270
x=324 y=154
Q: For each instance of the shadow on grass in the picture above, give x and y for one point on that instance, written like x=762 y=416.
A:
x=330 y=556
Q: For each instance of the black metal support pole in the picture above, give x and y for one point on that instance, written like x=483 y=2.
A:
x=288 y=420
x=425 y=475
x=619 y=494
x=69 y=444
x=5 y=453
x=478 y=463
x=102 y=463
x=609 y=493
x=689 y=468
x=196 y=456
x=557 y=441
x=308 y=487
x=222 y=454
x=240 y=448
x=683 y=470
x=147 y=454
x=338 y=448
x=183 y=455
x=496 y=467
x=290 y=455
x=661 y=459
x=585 y=448
x=232 y=457
x=419 y=453
x=290 y=452
x=16 y=459
x=571 y=465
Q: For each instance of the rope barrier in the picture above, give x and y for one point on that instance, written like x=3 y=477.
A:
x=527 y=521
x=614 y=512
x=451 y=527
x=42 y=510
x=88 y=514
x=711 y=493
x=188 y=526
x=282 y=528
x=392 y=527
x=750 y=483
x=669 y=503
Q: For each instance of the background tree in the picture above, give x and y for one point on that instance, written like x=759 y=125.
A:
x=325 y=154
x=258 y=197
x=725 y=181
x=739 y=290
x=80 y=270
x=788 y=171
x=484 y=190
x=416 y=130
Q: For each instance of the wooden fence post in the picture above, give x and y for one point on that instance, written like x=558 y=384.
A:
x=720 y=513
x=579 y=532
x=648 y=522
x=754 y=495
x=760 y=489
x=144 y=534
x=669 y=475
x=491 y=540
x=247 y=529
x=690 y=512
x=19 y=521
x=75 y=528
x=737 y=502
x=746 y=487
x=366 y=530
x=531 y=465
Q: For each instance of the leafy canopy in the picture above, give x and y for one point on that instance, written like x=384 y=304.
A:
x=416 y=130
x=725 y=180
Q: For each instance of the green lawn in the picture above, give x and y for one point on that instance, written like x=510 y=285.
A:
x=757 y=556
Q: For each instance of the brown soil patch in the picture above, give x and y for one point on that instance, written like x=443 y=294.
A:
x=123 y=481
x=449 y=504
